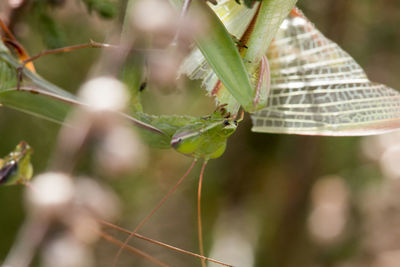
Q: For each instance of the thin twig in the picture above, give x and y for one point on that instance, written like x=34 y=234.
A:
x=91 y=44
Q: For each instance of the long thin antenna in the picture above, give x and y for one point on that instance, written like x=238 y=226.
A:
x=133 y=250
x=158 y=243
x=170 y=192
x=199 y=225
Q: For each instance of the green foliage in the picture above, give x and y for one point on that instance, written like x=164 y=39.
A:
x=8 y=78
x=223 y=56
x=133 y=76
x=50 y=104
x=50 y=30
x=266 y=177
x=53 y=36
x=104 y=8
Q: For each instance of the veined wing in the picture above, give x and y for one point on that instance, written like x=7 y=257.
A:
x=318 y=89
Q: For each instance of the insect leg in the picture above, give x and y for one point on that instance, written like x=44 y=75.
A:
x=170 y=192
x=158 y=243
x=199 y=224
x=132 y=249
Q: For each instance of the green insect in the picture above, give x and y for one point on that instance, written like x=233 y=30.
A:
x=309 y=102
x=16 y=168
x=200 y=138
x=203 y=137
x=313 y=87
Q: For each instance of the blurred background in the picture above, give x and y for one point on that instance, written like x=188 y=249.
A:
x=270 y=200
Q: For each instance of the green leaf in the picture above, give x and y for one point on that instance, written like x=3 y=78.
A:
x=31 y=102
x=222 y=54
x=104 y=8
x=48 y=102
x=45 y=99
x=42 y=98
x=195 y=66
x=270 y=16
x=52 y=34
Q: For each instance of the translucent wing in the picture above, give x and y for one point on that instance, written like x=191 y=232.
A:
x=318 y=89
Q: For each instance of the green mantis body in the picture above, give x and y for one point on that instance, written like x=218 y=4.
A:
x=16 y=168
x=200 y=138
x=205 y=138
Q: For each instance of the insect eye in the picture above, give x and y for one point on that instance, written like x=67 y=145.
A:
x=226 y=122
x=235 y=122
x=175 y=142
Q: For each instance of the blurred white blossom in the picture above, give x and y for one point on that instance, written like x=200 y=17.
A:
x=329 y=210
